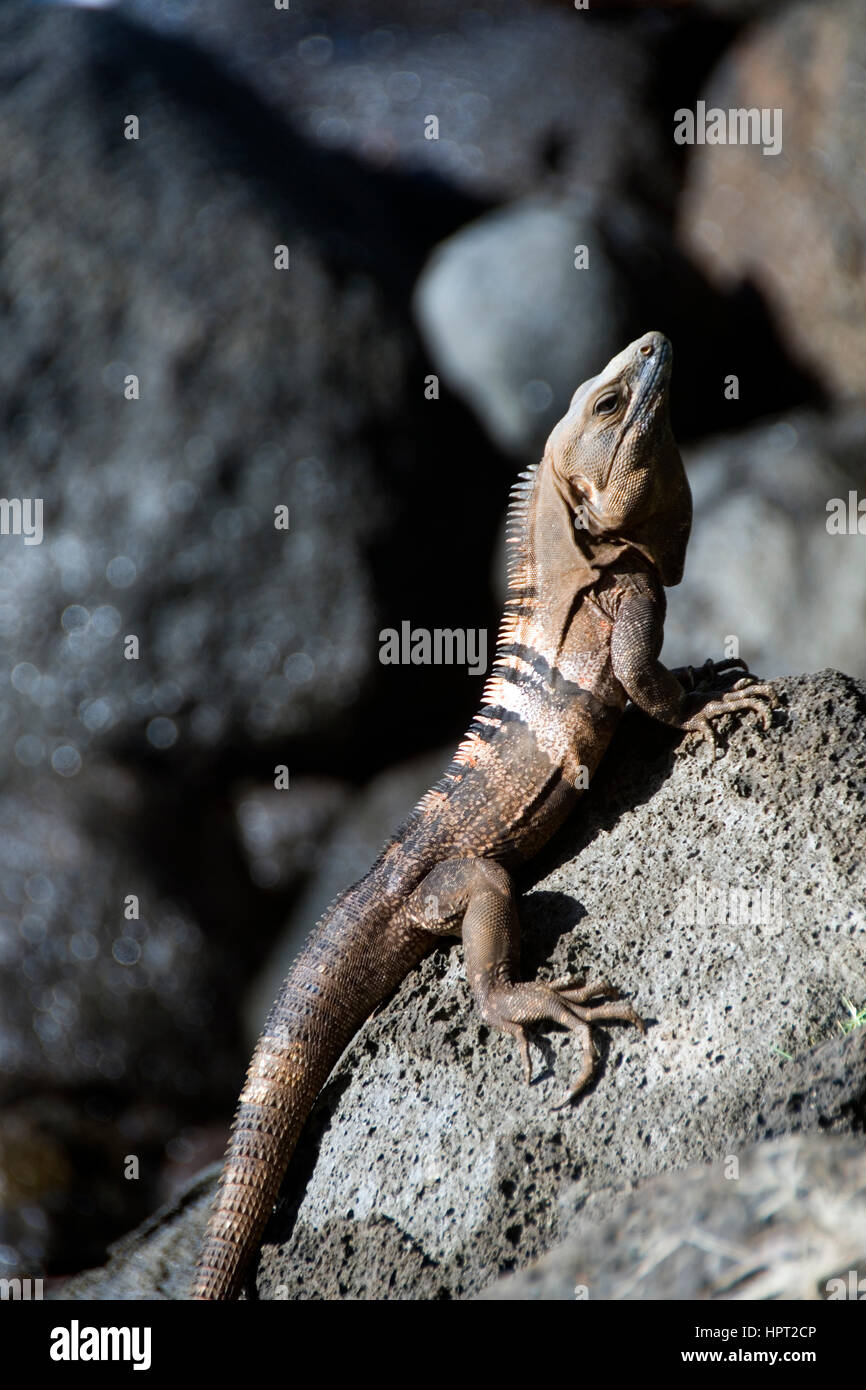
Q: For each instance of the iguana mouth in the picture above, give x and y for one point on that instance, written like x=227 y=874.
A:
x=661 y=363
x=647 y=393
x=645 y=400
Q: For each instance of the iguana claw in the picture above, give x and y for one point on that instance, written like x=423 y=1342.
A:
x=746 y=694
x=565 y=1001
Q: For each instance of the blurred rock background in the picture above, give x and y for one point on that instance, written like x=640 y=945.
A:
x=125 y=1037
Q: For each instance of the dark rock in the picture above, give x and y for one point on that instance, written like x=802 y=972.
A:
x=364 y=78
x=284 y=833
x=98 y=991
x=76 y=1167
x=154 y=1261
x=258 y=388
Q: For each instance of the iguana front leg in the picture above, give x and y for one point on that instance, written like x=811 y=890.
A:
x=635 y=645
x=476 y=897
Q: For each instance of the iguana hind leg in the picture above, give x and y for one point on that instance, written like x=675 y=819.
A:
x=476 y=897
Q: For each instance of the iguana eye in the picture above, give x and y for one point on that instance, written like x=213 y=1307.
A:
x=605 y=404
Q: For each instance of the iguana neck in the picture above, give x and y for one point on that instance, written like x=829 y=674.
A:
x=550 y=565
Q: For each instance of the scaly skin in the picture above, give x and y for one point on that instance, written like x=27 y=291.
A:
x=596 y=530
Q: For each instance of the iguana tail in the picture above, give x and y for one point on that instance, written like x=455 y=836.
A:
x=349 y=966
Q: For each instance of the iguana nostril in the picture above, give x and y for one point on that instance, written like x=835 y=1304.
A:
x=646 y=349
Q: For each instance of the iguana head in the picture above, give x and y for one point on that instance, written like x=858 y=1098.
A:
x=616 y=464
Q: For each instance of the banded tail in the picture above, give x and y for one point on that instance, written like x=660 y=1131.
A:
x=349 y=966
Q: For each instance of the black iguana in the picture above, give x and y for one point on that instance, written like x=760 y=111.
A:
x=596 y=530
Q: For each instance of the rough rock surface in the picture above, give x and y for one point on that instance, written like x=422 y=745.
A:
x=725 y=898
x=783 y=1221
x=823 y=1091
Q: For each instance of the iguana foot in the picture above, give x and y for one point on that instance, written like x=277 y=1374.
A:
x=565 y=1001
x=746 y=694
x=482 y=893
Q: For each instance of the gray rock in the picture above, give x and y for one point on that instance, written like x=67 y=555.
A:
x=727 y=900
x=778 y=1221
x=433 y=1159
x=513 y=325
x=762 y=565
x=153 y=506
x=821 y=1092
